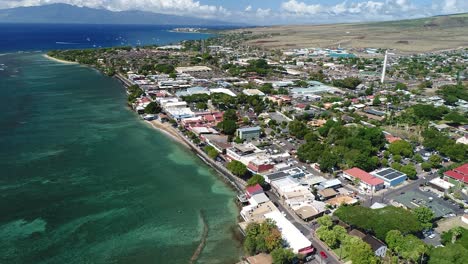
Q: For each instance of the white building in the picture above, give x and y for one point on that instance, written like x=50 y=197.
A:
x=291 y=235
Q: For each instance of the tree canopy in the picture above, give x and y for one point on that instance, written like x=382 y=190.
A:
x=401 y=147
x=237 y=168
x=256 y=179
x=380 y=221
x=263 y=237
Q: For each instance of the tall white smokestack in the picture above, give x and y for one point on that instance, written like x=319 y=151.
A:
x=384 y=67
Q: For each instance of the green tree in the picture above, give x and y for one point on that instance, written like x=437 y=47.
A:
x=424 y=215
x=435 y=161
x=452 y=254
x=456 y=118
x=264 y=237
x=361 y=253
x=328 y=236
x=228 y=126
x=401 y=86
x=394 y=240
x=325 y=220
x=237 y=168
x=153 y=108
x=282 y=256
x=211 y=151
x=379 y=221
x=256 y=179
x=397 y=158
x=409 y=170
x=297 y=129
x=456 y=232
x=426 y=166
x=376 y=101
x=401 y=147
x=418 y=158
x=201 y=105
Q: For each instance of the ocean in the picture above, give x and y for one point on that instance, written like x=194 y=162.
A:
x=84 y=180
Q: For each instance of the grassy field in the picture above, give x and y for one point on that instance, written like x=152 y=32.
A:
x=406 y=36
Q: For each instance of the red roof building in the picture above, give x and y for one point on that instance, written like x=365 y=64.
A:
x=367 y=182
x=459 y=174
x=252 y=190
x=391 y=139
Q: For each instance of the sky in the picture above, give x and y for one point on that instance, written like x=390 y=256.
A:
x=268 y=12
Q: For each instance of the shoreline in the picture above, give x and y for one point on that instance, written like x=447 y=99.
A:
x=231 y=181
x=59 y=60
x=168 y=130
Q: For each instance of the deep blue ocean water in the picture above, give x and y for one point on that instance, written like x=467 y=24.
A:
x=40 y=37
x=82 y=179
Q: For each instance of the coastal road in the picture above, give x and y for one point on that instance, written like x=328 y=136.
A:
x=306 y=228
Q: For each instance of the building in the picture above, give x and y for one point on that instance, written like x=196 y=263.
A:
x=291 y=235
x=326 y=194
x=249 y=133
x=458 y=176
x=252 y=92
x=293 y=173
x=253 y=190
x=367 y=182
x=391 y=177
x=334 y=184
x=441 y=184
x=191 y=69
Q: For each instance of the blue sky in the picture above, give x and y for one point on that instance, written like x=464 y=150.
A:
x=267 y=12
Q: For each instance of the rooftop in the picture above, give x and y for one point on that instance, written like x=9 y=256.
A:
x=460 y=173
x=364 y=176
x=388 y=174
x=290 y=233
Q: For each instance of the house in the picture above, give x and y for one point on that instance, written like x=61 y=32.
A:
x=379 y=248
x=249 y=133
x=326 y=194
x=253 y=190
x=391 y=177
x=366 y=181
x=458 y=175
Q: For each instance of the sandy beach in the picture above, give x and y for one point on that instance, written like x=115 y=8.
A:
x=169 y=130
x=59 y=60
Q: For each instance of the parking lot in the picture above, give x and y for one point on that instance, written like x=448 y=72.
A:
x=416 y=198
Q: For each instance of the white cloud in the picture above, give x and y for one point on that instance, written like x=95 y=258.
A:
x=248 y=8
x=179 y=7
x=263 y=12
x=300 y=8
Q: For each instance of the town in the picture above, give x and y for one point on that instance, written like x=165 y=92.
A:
x=338 y=155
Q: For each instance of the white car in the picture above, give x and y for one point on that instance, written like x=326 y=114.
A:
x=431 y=236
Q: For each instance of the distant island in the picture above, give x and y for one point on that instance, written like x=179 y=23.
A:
x=69 y=14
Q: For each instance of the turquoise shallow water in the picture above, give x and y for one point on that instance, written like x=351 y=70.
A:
x=83 y=180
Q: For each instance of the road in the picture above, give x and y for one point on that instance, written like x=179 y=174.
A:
x=305 y=228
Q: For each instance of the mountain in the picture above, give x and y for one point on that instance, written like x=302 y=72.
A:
x=69 y=14
x=405 y=36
